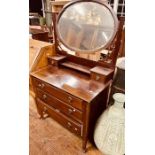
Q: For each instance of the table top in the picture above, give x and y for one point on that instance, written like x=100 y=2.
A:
x=72 y=82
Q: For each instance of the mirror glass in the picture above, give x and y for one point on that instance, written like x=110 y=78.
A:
x=86 y=27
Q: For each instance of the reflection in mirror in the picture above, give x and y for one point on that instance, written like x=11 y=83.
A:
x=96 y=56
x=86 y=27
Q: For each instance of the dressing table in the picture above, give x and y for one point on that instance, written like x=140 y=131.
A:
x=73 y=90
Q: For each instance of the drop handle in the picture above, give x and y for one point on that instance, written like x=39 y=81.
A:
x=69 y=124
x=45 y=114
x=57 y=110
x=70 y=99
x=45 y=109
x=70 y=111
x=41 y=85
x=44 y=96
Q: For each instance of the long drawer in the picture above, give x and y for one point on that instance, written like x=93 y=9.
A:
x=59 y=117
x=61 y=106
x=60 y=94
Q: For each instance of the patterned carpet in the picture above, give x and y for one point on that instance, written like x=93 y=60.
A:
x=47 y=137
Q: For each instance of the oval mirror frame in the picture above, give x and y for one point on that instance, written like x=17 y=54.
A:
x=104 y=46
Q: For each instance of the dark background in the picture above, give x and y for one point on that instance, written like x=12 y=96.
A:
x=35 y=6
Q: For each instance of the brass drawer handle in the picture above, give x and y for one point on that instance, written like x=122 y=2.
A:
x=70 y=111
x=45 y=109
x=69 y=124
x=57 y=110
x=44 y=96
x=70 y=99
x=45 y=114
x=41 y=85
x=75 y=129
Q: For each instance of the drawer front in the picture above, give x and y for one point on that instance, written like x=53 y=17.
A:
x=61 y=106
x=60 y=94
x=59 y=117
x=98 y=77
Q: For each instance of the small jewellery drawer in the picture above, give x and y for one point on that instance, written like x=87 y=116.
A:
x=60 y=94
x=59 y=117
x=61 y=106
x=98 y=77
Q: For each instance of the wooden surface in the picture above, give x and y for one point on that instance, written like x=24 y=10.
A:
x=78 y=91
x=58 y=5
x=71 y=82
x=47 y=137
x=59 y=104
x=38 y=52
x=102 y=70
x=78 y=67
x=57 y=93
x=87 y=95
x=122 y=46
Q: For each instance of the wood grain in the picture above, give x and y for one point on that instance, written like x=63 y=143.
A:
x=47 y=137
x=38 y=52
x=77 y=84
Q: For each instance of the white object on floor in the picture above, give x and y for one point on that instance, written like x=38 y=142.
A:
x=109 y=130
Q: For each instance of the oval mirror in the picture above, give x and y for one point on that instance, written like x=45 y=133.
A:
x=86 y=26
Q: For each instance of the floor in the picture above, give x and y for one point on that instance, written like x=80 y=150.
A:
x=47 y=137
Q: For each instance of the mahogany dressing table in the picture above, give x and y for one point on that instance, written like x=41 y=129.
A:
x=70 y=89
